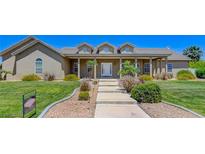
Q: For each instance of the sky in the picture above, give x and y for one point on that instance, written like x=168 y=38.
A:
x=175 y=42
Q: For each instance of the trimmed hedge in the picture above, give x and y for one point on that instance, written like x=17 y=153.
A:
x=147 y=93
x=185 y=75
x=31 y=77
x=200 y=73
x=71 y=77
x=145 y=78
x=84 y=95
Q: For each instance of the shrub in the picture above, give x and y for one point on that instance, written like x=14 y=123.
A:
x=185 y=75
x=128 y=82
x=71 y=77
x=31 y=77
x=84 y=95
x=163 y=76
x=157 y=76
x=128 y=69
x=200 y=73
x=145 y=78
x=49 y=77
x=197 y=64
x=95 y=82
x=84 y=85
x=170 y=75
x=147 y=93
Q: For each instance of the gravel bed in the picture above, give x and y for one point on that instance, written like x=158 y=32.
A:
x=73 y=108
x=162 y=110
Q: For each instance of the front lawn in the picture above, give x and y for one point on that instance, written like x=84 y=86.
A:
x=47 y=93
x=189 y=94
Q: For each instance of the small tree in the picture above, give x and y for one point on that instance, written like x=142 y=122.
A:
x=128 y=69
x=91 y=63
x=193 y=52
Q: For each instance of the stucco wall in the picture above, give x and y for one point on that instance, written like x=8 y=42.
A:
x=177 y=66
x=115 y=67
x=52 y=62
x=9 y=65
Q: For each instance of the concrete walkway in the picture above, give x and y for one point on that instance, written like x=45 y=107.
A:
x=113 y=102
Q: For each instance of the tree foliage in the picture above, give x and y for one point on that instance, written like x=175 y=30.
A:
x=193 y=52
x=128 y=69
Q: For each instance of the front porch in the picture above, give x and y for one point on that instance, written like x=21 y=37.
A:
x=109 y=67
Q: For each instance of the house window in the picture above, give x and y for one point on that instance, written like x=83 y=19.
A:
x=146 y=68
x=39 y=65
x=127 y=50
x=75 y=67
x=89 y=68
x=85 y=49
x=106 y=49
x=169 y=67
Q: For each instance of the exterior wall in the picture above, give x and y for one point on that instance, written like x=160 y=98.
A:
x=115 y=67
x=52 y=62
x=177 y=66
x=9 y=65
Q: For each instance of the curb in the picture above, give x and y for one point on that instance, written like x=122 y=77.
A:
x=55 y=103
x=183 y=108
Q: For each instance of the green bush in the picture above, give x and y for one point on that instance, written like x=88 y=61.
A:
x=84 y=95
x=128 y=69
x=145 y=78
x=84 y=85
x=200 y=73
x=31 y=77
x=147 y=93
x=185 y=75
x=71 y=77
x=197 y=64
x=95 y=82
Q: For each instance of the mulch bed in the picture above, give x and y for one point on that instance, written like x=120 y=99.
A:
x=162 y=110
x=73 y=108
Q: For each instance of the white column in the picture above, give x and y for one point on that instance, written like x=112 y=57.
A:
x=160 y=61
x=78 y=67
x=120 y=66
x=136 y=66
x=150 y=63
x=166 y=67
x=95 y=68
x=157 y=67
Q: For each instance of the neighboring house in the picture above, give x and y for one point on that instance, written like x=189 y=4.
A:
x=34 y=56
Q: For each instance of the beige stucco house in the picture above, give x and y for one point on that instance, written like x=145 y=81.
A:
x=34 y=56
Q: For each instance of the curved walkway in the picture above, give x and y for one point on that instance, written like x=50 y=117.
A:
x=114 y=102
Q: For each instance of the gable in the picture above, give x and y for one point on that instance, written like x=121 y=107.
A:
x=42 y=48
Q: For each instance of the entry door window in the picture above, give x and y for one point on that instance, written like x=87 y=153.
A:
x=106 y=69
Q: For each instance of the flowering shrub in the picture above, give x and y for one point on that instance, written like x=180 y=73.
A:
x=128 y=82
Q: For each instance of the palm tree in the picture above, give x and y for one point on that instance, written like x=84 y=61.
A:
x=193 y=52
x=128 y=69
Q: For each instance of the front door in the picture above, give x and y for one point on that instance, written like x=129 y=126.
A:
x=106 y=69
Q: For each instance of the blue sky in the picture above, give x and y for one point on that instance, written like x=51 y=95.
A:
x=174 y=42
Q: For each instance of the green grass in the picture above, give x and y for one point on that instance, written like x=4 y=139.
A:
x=189 y=94
x=47 y=93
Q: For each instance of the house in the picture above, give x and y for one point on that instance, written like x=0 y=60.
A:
x=34 y=56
